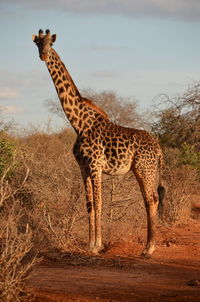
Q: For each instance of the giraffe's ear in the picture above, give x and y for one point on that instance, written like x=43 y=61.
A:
x=53 y=37
x=35 y=38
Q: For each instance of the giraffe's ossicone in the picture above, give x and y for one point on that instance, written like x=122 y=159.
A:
x=104 y=147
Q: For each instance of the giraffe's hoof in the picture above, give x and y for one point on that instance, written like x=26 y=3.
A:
x=96 y=250
x=147 y=252
x=145 y=255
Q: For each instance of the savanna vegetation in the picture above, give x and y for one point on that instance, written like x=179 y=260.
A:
x=42 y=201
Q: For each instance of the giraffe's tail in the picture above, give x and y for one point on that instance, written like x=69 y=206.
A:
x=161 y=196
x=161 y=189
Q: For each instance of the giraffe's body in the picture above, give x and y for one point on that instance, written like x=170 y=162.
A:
x=104 y=147
x=118 y=153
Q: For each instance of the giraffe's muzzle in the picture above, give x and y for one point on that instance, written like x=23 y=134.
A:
x=44 y=57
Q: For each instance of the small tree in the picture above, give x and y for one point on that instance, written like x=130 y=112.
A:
x=178 y=118
x=122 y=111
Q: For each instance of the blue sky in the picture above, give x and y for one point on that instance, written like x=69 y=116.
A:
x=136 y=48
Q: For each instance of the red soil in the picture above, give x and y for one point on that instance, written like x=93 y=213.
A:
x=119 y=274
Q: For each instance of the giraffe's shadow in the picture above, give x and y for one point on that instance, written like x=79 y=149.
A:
x=85 y=258
x=106 y=258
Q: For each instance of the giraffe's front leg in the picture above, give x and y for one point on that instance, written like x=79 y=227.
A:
x=90 y=209
x=96 y=183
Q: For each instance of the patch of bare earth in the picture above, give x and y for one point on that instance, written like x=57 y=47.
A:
x=119 y=274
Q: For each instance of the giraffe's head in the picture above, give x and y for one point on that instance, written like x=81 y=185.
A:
x=44 y=43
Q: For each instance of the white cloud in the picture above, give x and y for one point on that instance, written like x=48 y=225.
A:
x=178 y=9
x=11 y=109
x=8 y=93
x=13 y=83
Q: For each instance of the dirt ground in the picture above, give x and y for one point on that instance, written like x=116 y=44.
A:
x=120 y=274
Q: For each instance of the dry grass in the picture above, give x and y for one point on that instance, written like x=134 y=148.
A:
x=47 y=184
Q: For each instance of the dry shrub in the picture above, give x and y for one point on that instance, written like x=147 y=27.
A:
x=180 y=183
x=124 y=214
x=15 y=239
x=56 y=189
x=59 y=220
x=15 y=266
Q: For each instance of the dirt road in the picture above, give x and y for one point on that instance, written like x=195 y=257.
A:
x=173 y=274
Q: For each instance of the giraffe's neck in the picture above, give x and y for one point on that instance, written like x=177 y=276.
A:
x=73 y=104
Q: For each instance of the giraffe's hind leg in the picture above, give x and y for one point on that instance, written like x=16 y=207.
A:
x=148 y=186
x=96 y=184
x=151 y=205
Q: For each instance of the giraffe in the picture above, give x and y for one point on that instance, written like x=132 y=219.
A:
x=104 y=147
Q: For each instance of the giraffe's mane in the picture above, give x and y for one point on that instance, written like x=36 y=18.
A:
x=90 y=104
